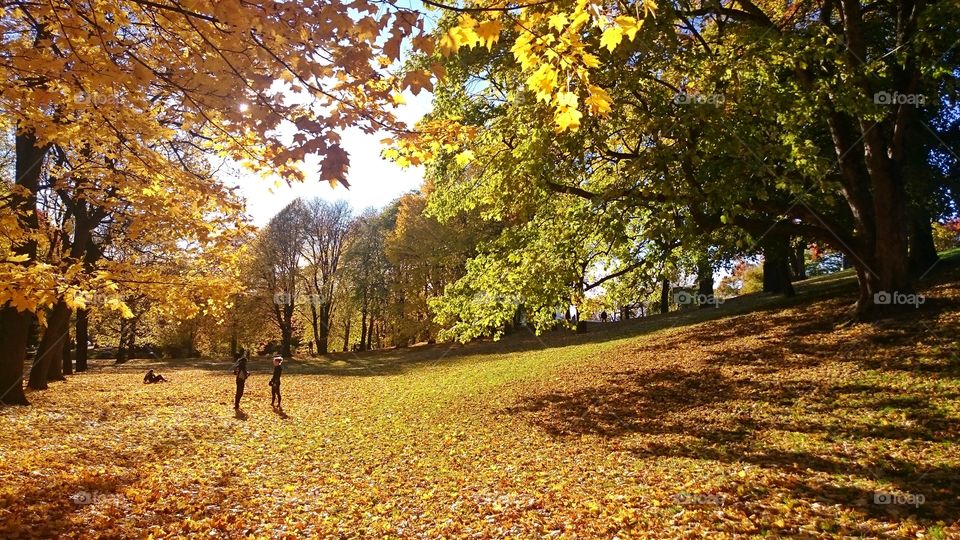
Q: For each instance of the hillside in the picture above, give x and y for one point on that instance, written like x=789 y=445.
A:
x=765 y=417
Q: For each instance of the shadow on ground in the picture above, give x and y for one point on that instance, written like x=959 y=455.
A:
x=789 y=392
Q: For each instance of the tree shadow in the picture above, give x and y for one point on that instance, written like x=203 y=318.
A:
x=722 y=402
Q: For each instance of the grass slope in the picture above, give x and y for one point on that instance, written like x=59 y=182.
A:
x=762 y=418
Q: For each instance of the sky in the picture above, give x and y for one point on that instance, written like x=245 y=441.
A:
x=373 y=180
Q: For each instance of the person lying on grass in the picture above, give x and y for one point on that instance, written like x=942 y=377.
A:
x=275 y=382
x=151 y=377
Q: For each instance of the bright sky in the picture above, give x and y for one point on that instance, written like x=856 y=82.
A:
x=373 y=180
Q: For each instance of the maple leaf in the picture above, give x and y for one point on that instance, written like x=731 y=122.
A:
x=558 y=21
x=416 y=81
x=629 y=25
x=334 y=165
x=611 y=37
x=598 y=101
x=488 y=32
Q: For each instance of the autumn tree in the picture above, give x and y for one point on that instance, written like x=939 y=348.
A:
x=326 y=227
x=118 y=81
x=276 y=257
x=768 y=118
x=368 y=269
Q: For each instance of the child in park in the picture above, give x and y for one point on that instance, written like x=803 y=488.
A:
x=275 y=382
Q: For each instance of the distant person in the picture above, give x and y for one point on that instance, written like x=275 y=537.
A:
x=153 y=378
x=275 y=382
x=603 y=316
x=240 y=371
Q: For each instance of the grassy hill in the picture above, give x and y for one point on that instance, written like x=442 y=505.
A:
x=764 y=417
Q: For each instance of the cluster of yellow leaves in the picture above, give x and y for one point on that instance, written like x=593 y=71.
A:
x=551 y=50
x=430 y=139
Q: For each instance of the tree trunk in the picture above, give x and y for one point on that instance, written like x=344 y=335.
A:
x=776 y=266
x=346 y=336
x=370 y=334
x=14 y=324
x=923 y=252
x=67 y=359
x=14 y=327
x=62 y=337
x=48 y=362
x=798 y=261
x=122 y=353
x=82 y=338
x=363 y=329
x=286 y=340
x=315 y=318
x=705 y=283
x=323 y=337
x=665 y=296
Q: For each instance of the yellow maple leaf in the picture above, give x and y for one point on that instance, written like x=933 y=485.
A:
x=568 y=119
x=611 y=38
x=543 y=81
x=464 y=157
x=629 y=25
x=566 y=99
x=558 y=21
x=488 y=32
x=598 y=101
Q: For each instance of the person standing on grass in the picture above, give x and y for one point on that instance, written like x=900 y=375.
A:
x=240 y=371
x=275 y=382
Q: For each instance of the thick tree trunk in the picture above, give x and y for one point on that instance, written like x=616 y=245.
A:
x=14 y=327
x=923 y=252
x=705 y=283
x=363 y=329
x=48 y=362
x=323 y=337
x=122 y=343
x=14 y=324
x=776 y=266
x=67 y=359
x=62 y=337
x=798 y=261
x=665 y=296
x=370 y=334
x=83 y=339
x=286 y=341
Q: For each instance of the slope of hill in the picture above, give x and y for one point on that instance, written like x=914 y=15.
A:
x=765 y=417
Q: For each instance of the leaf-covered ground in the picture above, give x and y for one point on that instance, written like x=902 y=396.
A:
x=774 y=423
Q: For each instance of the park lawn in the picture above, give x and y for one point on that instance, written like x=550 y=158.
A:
x=779 y=422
